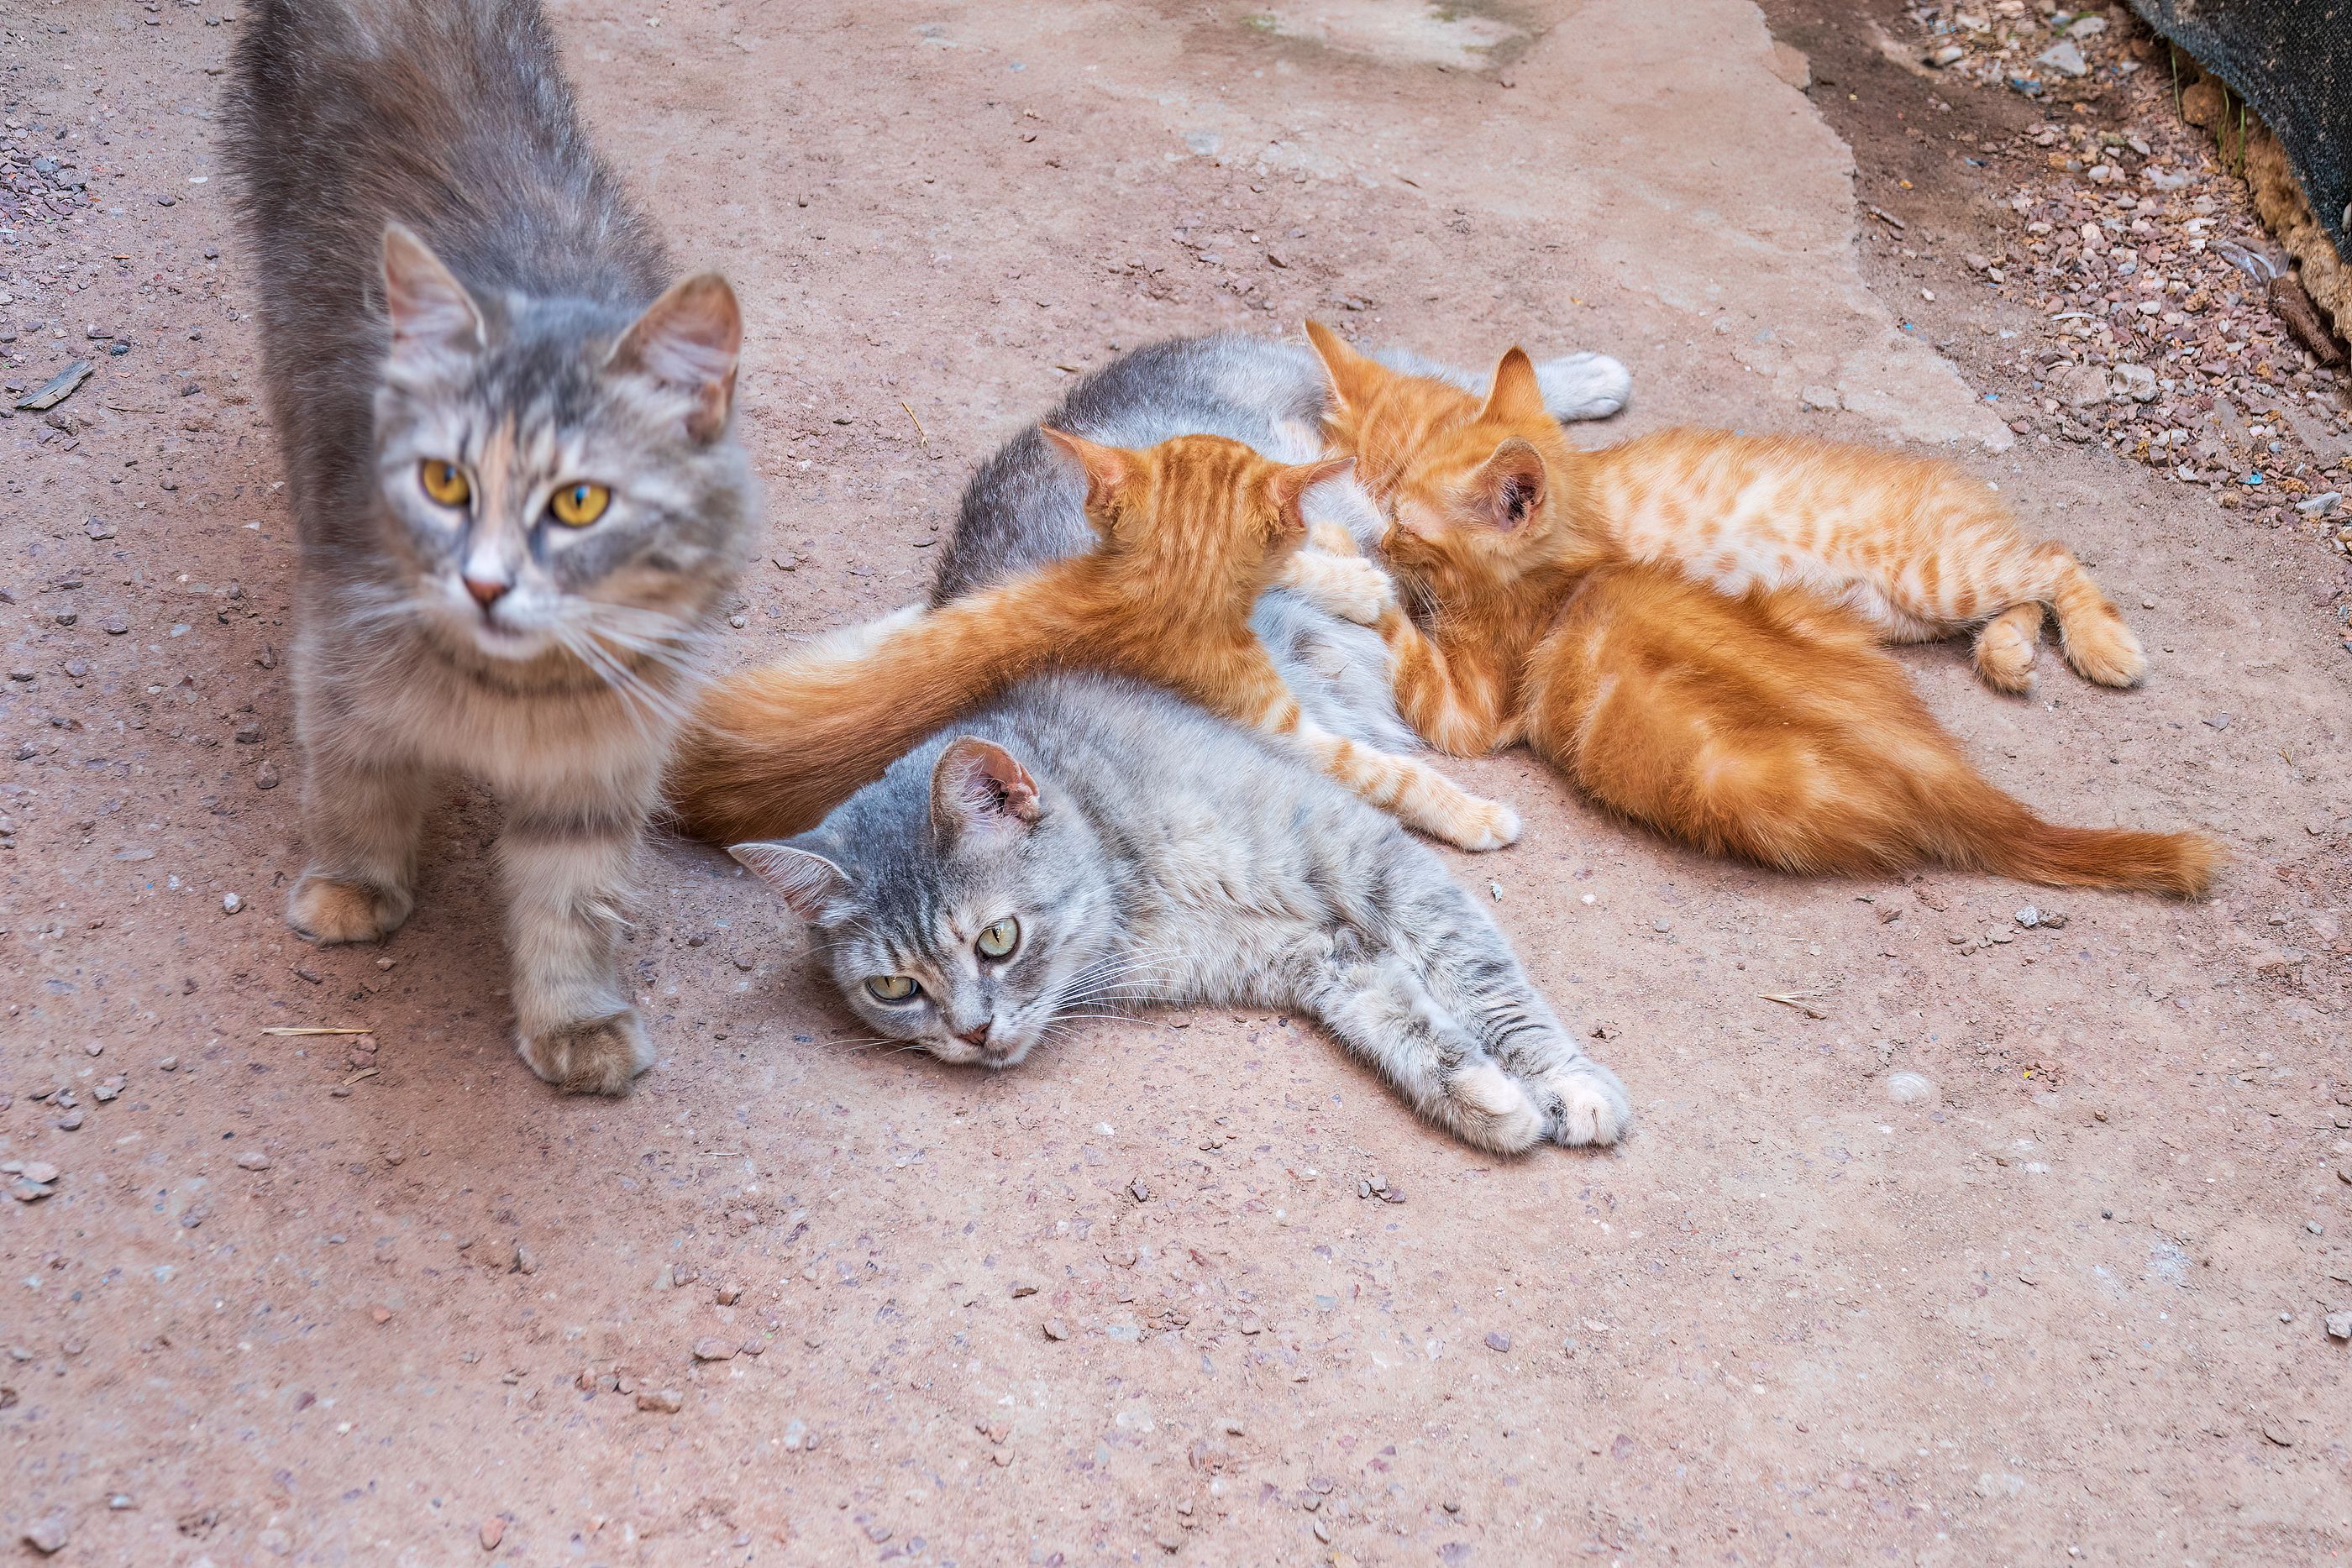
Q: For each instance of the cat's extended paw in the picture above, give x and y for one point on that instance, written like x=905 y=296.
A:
x=1351 y=588
x=2102 y=649
x=590 y=1056
x=1584 y=1103
x=327 y=911
x=1583 y=386
x=1492 y=1109
x=1484 y=825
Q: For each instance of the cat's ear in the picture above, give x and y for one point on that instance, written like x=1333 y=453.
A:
x=1111 y=472
x=978 y=787
x=1353 y=378
x=1518 y=397
x=1291 y=482
x=1509 y=487
x=806 y=880
x=690 y=340
x=433 y=317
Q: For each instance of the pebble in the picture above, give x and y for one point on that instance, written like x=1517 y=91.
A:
x=729 y=1294
x=1498 y=1341
x=713 y=1350
x=380 y=1314
x=1142 y=1189
x=2340 y=1325
x=266 y=776
x=48 y=1536
x=254 y=1160
x=39 y=1170
x=1909 y=1087
x=494 y=1531
x=668 y=1401
x=114 y=626
x=231 y=904
x=1056 y=1330
x=1020 y=1290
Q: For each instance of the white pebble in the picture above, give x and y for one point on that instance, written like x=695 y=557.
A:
x=1909 y=1089
x=231 y=904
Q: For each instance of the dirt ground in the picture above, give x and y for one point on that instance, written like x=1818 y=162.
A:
x=2006 y=1243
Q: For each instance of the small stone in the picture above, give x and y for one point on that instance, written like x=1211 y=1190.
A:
x=380 y=1314
x=253 y=1160
x=1056 y=1330
x=668 y=1401
x=729 y=1294
x=494 y=1529
x=1498 y=1341
x=2028 y=1275
x=39 y=1170
x=2081 y=386
x=2065 y=57
x=2340 y=1325
x=1252 y=1323
x=48 y=1536
x=1140 y=1189
x=1821 y=397
x=2136 y=383
x=521 y=1259
x=115 y=625
x=25 y=1191
x=1909 y=1087
x=2276 y=1431
x=266 y=776
x=713 y=1350
x=231 y=904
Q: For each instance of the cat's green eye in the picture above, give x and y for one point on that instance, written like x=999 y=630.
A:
x=891 y=988
x=1000 y=938
x=577 y=506
x=445 y=483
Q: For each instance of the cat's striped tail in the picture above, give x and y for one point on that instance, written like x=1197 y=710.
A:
x=769 y=751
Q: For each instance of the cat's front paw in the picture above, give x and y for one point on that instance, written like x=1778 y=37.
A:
x=1584 y=1104
x=590 y=1056
x=1351 y=588
x=329 y=911
x=1485 y=825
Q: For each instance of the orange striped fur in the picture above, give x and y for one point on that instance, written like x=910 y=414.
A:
x=1914 y=547
x=1192 y=531
x=1761 y=722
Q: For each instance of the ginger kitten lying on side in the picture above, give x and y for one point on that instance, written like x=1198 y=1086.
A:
x=1194 y=530
x=1915 y=547
x=1762 y=724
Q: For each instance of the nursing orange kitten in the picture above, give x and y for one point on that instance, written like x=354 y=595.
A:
x=1915 y=547
x=1764 y=724
x=1192 y=531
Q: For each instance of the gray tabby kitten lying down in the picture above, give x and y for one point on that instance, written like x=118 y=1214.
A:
x=1087 y=843
x=517 y=498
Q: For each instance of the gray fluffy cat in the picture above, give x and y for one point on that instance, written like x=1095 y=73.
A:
x=1087 y=843
x=518 y=499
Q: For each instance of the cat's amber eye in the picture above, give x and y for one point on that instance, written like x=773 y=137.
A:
x=445 y=483
x=892 y=988
x=577 y=506
x=1000 y=938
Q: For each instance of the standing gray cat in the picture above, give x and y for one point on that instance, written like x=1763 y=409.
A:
x=1088 y=843
x=518 y=499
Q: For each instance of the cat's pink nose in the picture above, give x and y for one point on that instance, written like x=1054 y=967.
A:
x=486 y=593
x=976 y=1038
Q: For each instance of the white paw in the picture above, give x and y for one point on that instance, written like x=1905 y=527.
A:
x=1491 y=826
x=1351 y=588
x=1493 y=1108
x=1583 y=386
x=1591 y=1105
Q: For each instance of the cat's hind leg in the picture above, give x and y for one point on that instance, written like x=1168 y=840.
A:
x=1372 y=1000
x=2091 y=631
x=2005 y=647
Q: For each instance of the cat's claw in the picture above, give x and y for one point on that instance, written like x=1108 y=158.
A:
x=590 y=1056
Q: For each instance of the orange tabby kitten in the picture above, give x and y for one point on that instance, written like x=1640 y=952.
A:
x=1915 y=547
x=1765 y=725
x=1194 y=530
